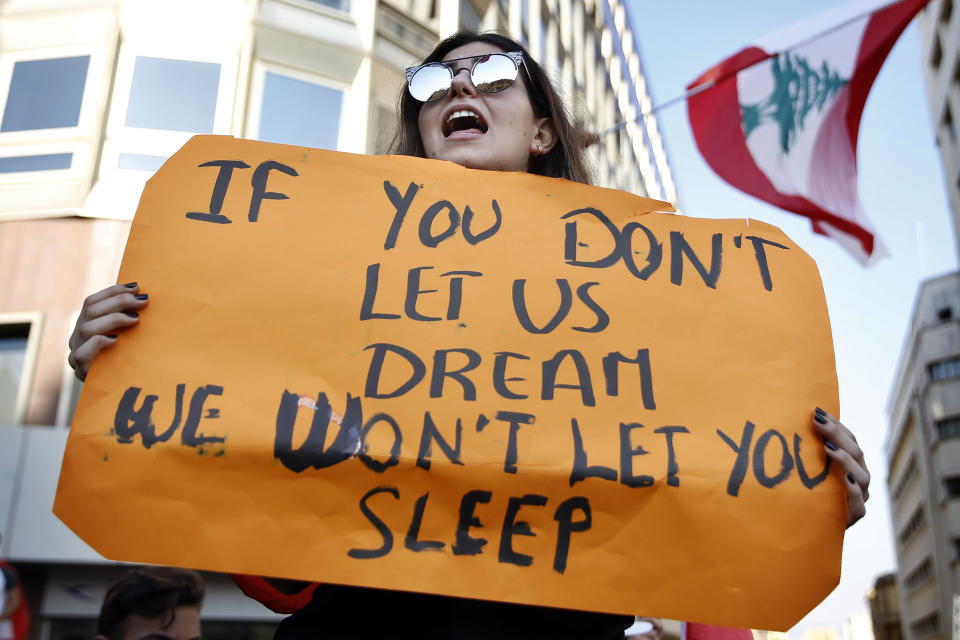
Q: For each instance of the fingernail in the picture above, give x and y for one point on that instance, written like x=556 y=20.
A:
x=830 y=445
x=819 y=419
x=133 y=314
x=130 y=285
x=850 y=478
x=820 y=412
x=141 y=296
x=112 y=336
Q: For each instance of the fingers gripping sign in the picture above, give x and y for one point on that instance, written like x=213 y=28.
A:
x=841 y=446
x=103 y=316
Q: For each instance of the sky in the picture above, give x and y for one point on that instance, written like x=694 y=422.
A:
x=902 y=190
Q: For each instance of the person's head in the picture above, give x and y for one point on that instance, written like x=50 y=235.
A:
x=152 y=603
x=524 y=127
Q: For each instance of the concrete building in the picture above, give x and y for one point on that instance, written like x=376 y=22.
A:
x=96 y=94
x=885 y=608
x=940 y=32
x=923 y=462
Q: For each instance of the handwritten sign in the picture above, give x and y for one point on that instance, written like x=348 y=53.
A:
x=401 y=373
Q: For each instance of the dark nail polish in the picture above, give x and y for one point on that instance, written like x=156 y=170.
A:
x=850 y=478
x=130 y=285
x=112 y=336
x=819 y=419
x=830 y=445
x=820 y=412
x=133 y=314
x=141 y=296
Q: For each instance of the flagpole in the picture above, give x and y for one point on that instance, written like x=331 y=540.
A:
x=663 y=105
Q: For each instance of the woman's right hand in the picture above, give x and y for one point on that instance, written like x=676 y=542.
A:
x=102 y=315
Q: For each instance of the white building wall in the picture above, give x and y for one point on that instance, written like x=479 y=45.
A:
x=940 y=31
x=923 y=457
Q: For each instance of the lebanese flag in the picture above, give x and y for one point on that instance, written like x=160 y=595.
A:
x=779 y=119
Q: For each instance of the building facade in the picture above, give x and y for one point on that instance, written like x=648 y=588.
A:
x=923 y=463
x=940 y=32
x=96 y=94
x=885 y=608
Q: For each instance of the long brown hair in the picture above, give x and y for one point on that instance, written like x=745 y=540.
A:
x=564 y=160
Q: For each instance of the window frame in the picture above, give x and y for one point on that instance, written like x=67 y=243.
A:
x=258 y=81
x=953 y=361
x=79 y=163
x=77 y=140
x=321 y=6
x=121 y=138
x=86 y=119
x=35 y=320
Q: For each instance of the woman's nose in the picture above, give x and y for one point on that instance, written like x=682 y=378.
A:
x=461 y=85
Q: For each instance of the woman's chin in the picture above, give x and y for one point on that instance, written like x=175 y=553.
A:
x=465 y=157
x=473 y=158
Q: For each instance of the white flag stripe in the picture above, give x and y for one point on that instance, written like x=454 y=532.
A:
x=790 y=172
x=800 y=33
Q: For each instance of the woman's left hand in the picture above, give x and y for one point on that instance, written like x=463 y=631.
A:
x=841 y=446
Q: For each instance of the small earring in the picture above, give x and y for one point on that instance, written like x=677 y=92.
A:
x=539 y=150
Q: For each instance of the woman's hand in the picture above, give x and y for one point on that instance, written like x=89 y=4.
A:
x=102 y=315
x=841 y=446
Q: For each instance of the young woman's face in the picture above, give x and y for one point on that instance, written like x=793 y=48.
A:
x=479 y=130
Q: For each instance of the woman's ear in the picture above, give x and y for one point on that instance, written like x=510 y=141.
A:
x=544 y=137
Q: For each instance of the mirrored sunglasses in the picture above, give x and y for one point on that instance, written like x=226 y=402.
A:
x=490 y=73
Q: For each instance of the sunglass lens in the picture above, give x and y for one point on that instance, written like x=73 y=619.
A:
x=494 y=73
x=430 y=82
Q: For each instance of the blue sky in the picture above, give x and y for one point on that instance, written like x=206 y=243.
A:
x=902 y=190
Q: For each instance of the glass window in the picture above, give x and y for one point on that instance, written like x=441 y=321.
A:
x=948 y=123
x=945 y=369
x=946 y=10
x=952 y=485
x=948 y=428
x=46 y=162
x=175 y=95
x=919 y=576
x=299 y=112
x=140 y=162
x=45 y=94
x=926 y=626
x=937 y=54
x=341 y=5
x=913 y=526
x=13 y=352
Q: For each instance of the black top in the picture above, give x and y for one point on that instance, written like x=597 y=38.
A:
x=361 y=613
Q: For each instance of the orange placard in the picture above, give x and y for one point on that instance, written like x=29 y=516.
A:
x=401 y=373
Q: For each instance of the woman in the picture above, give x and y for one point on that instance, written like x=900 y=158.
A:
x=482 y=102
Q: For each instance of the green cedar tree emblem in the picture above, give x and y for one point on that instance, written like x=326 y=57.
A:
x=798 y=89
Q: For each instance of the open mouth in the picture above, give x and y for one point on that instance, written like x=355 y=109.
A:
x=463 y=120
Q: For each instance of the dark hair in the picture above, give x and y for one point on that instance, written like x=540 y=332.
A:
x=149 y=592
x=564 y=160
